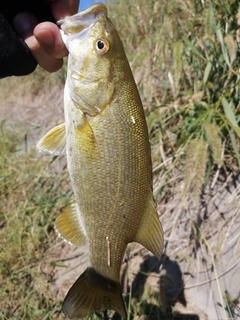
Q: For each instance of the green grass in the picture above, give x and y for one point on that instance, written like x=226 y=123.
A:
x=31 y=196
x=185 y=56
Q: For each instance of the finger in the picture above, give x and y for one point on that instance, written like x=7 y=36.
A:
x=48 y=35
x=43 y=58
x=63 y=8
x=24 y=24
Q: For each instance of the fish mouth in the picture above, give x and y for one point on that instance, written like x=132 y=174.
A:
x=83 y=19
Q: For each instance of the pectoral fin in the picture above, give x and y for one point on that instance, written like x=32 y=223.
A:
x=54 y=142
x=150 y=232
x=68 y=226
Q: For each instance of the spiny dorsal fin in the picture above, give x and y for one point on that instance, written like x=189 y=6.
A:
x=150 y=232
x=93 y=292
x=68 y=225
x=54 y=142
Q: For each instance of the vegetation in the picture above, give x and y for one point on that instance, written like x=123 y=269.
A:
x=31 y=196
x=185 y=58
x=185 y=55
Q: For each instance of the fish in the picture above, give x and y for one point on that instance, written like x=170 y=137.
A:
x=105 y=138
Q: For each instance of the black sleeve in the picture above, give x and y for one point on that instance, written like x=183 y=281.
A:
x=15 y=56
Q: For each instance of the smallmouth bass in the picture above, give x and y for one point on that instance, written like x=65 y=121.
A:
x=109 y=161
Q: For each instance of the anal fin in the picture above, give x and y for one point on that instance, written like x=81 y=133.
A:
x=150 y=232
x=54 y=142
x=68 y=225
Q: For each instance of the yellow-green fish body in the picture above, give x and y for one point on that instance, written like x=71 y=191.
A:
x=109 y=161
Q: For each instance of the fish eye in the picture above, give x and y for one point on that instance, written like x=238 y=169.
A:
x=102 y=46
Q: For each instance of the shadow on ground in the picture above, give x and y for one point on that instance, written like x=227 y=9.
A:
x=164 y=278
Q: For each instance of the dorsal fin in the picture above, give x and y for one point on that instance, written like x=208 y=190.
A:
x=54 y=142
x=150 y=232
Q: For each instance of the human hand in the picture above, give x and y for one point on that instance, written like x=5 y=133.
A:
x=44 y=39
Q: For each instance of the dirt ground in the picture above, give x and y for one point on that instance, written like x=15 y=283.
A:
x=200 y=269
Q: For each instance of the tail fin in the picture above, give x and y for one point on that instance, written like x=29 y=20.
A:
x=93 y=292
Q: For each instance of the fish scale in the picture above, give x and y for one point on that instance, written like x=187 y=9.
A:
x=109 y=161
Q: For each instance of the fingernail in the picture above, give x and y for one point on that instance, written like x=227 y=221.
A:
x=24 y=23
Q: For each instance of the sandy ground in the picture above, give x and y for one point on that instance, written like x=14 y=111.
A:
x=192 y=260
